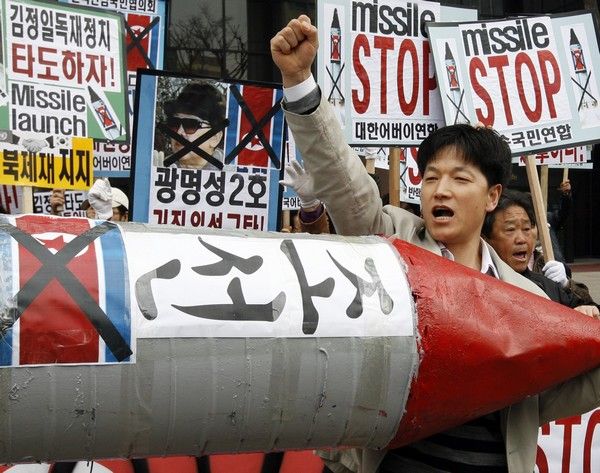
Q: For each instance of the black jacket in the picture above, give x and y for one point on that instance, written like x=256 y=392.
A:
x=554 y=290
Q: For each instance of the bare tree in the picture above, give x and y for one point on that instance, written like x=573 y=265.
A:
x=203 y=44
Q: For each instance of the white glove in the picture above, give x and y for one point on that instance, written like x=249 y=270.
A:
x=158 y=158
x=33 y=145
x=370 y=152
x=556 y=271
x=301 y=181
x=100 y=199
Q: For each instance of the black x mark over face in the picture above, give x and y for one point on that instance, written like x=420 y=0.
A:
x=192 y=146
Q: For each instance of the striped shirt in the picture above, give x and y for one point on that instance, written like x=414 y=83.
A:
x=474 y=447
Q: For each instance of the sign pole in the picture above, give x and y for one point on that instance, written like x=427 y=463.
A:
x=27 y=200
x=544 y=184
x=540 y=208
x=285 y=221
x=394 y=176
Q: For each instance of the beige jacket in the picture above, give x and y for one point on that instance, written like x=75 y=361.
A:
x=354 y=206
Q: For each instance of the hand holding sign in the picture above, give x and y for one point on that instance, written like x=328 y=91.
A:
x=293 y=50
x=100 y=198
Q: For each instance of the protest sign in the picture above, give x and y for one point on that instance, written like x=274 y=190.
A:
x=569 y=445
x=71 y=208
x=375 y=67
x=145 y=32
x=289 y=199
x=11 y=199
x=575 y=156
x=530 y=78
x=70 y=168
x=410 y=180
x=207 y=153
x=62 y=79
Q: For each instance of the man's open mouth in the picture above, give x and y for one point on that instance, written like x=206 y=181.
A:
x=520 y=255
x=442 y=212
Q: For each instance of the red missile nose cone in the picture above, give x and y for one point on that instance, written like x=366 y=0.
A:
x=484 y=344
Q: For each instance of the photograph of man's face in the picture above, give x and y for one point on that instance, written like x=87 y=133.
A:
x=197 y=109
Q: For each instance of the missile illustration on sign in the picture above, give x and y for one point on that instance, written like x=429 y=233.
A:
x=109 y=126
x=336 y=67
x=335 y=58
x=209 y=341
x=454 y=86
x=581 y=72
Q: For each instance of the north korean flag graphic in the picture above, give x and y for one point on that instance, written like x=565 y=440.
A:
x=256 y=126
x=140 y=27
x=69 y=292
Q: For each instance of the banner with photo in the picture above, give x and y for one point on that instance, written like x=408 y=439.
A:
x=62 y=78
x=530 y=78
x=207 y=153
x=375 y=67
x=145 y=37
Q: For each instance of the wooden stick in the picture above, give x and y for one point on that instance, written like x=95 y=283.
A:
x=285 y=221
x=370 y=166
x=540 y=208
x=544 y=184
x=565 y=175
x=27 y=200
x=394 y=176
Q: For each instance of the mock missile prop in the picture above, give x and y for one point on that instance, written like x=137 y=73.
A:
x=136 y=340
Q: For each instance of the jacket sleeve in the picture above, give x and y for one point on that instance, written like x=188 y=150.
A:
x=340 y=180
x=576 y=396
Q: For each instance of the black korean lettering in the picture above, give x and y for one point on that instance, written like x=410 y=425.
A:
x=355 y=309
x=67 y=166
x=239 y=309
x=257 y=188
x=310 y=317
x=143 y=287
x=10 y=167
x=227 y=263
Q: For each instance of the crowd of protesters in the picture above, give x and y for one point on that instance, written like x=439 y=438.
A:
x=467 y=215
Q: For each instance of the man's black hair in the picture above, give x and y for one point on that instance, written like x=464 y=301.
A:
x=200 y=99
x=509 y=198
x=482 y=147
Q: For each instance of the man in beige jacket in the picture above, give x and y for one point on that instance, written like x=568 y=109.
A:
x=463 y=170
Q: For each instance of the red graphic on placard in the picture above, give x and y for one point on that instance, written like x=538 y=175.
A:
x=259 y=101
x=413 y=172
x=452 y=77
x=53 y=329
x=335 y=48
x=138 y=23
